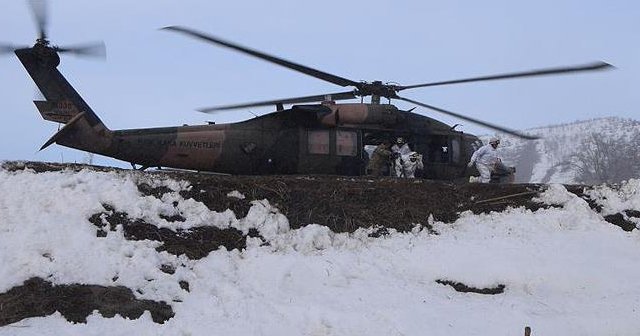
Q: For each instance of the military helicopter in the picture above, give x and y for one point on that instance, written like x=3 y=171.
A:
x=315 y=135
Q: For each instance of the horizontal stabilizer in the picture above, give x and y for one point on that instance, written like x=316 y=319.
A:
x=61 y=111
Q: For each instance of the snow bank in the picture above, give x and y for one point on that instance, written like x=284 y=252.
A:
x=566 y=271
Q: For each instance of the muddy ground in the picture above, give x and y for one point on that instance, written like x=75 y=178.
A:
x=343 y=204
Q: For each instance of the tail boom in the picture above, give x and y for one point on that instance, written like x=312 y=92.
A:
x=83 y=128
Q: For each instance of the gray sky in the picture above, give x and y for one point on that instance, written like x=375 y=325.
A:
x=157 y=78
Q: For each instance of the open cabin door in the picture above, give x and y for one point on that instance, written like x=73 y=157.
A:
x=442 y=156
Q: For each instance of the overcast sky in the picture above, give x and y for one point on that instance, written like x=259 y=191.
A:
x=157 y=78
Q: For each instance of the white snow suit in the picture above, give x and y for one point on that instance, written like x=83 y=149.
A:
x=406 y=165
x=485 y=159
x=399 y=151
x=403 y=150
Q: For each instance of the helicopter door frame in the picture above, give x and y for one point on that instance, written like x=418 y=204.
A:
x=316 y=149
x=321 y=151
x=349 y=151
x=455 y=150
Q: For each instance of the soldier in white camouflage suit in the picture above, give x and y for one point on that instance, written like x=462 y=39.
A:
x=485 y=159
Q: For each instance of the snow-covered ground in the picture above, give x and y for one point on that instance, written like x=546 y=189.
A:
x=565 y=269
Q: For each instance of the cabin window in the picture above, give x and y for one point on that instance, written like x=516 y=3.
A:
x=318 y=142
x=455 y=150
x=346 y=143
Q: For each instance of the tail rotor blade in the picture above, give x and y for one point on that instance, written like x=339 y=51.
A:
x=8 y=48
x=39 y=10
x=96 y=49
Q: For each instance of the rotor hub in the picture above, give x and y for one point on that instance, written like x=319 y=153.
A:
x=42 y=42
x=377 y=88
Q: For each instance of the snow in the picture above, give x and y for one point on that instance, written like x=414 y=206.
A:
x=236 y=194
x=628 y=197
x=566 y=270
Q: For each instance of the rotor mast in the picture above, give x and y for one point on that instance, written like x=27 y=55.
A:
x=375 y=97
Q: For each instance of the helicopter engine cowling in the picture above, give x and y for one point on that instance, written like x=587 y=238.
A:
x=381 y=114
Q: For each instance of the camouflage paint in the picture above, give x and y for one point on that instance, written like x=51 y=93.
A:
x=274 y=143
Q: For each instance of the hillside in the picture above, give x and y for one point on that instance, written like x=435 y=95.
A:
x=541 y=161
x=87 y=249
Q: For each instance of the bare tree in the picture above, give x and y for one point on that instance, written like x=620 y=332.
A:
x=602 y=159
x=88 y=158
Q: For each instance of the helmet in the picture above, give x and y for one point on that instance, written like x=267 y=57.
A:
x=494 y=140
x=400 y=140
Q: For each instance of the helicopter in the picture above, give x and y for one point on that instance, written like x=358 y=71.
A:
x=315 y=135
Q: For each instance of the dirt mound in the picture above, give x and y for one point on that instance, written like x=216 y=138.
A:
x=37 y=297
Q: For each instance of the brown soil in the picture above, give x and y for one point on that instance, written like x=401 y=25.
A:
x=462 y=288
x=343 y=204
x=37 y=297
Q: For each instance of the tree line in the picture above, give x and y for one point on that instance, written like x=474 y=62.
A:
x=603 y=159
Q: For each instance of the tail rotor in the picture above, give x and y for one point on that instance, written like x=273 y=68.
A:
x=44 y=46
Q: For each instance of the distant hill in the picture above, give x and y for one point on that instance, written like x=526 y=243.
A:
x=541 y=161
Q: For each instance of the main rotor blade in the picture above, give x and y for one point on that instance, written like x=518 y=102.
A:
x=540 y=72
x=475 y=121
x=287 y=64
x=306 y=99
x=95 y=49
x=39 y=10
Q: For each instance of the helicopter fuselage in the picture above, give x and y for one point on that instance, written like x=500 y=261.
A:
x=306 y=139
x=325 y=138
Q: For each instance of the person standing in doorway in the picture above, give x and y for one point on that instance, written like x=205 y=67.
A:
x=401 y=147
x=380 y=158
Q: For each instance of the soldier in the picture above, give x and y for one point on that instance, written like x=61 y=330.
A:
x=401 y=147
x=485 y=159
x=379 y=162
x=406 y=165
